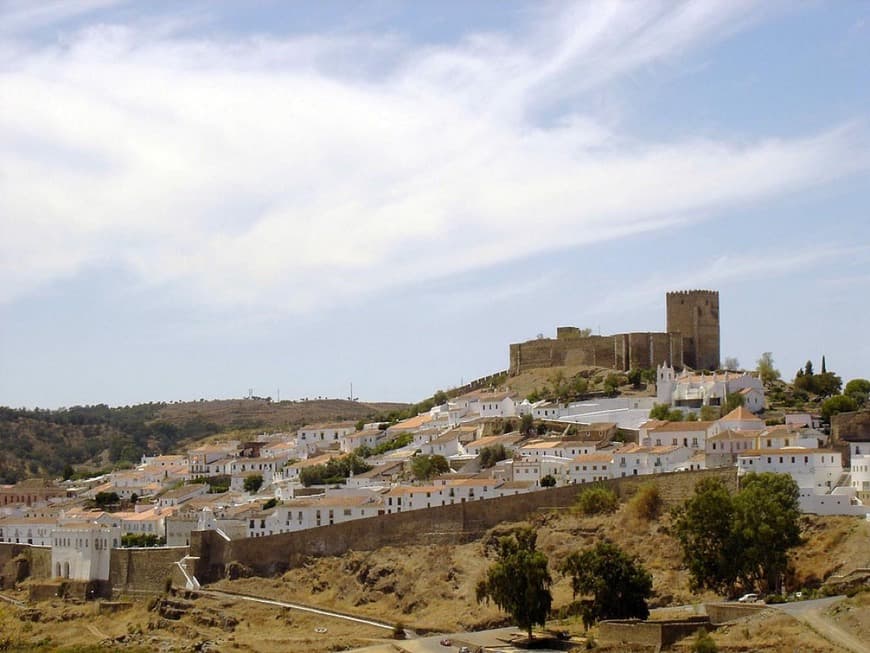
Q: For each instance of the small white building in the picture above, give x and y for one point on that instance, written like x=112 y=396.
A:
x=636 y=460
x=325 y=434
x=859 y=469
x=83 y=551
x=818 y=470
x=693 y=390
x=591 y=467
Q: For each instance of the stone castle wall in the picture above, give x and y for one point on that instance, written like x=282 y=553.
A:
x=621 y=351
x=691 y=339
x=458 y=523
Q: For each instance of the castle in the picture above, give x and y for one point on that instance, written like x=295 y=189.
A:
x=691 y=340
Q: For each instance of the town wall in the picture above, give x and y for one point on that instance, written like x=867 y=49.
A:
x=454 y=524
x=23 y=560
x=146 y=568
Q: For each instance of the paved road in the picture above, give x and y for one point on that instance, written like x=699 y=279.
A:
x=812 y=613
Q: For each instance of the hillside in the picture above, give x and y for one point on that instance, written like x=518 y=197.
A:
x=429 y=588
x=45 y=443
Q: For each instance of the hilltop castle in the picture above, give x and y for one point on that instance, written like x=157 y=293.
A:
x=691 y=340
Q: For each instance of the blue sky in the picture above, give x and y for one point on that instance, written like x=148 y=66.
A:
x=198 y=201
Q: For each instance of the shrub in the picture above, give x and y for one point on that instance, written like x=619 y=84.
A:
x=399 y=631
x=647 y=502
x=704 y=643
x=597 y=500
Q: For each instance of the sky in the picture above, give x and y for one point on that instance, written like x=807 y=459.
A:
x=202 y=199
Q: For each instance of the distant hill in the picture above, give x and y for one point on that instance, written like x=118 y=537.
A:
x=48 y=443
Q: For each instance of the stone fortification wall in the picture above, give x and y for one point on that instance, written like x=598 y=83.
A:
x=145 y=569
x=18 y=561
x=695 y=314
x=621 y=351
x=267 y=556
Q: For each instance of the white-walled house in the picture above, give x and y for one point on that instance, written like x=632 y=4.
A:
x=740 y=419
x=242 y=468
x=637 y=460
x=812 y=469
x=678 y=434
x=859 y=460
x=560 y=448
x=83 y=551
x=368 y=438
x=209 y=459
x=692 y=390
x=27 y=530
x=591 y=467
x=325 y=434
x=508 y=441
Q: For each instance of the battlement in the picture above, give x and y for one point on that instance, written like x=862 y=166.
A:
x=691 y=293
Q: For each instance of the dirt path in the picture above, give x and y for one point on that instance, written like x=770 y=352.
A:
x=812 y=613
x=96 y=632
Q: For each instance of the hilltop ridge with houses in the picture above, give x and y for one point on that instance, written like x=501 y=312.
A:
x=481 y=444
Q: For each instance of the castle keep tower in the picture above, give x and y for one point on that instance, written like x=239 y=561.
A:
x=695 y=315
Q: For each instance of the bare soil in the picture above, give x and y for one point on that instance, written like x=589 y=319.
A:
x=427 y=588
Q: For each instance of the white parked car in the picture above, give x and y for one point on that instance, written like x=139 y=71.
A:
x=748 y=598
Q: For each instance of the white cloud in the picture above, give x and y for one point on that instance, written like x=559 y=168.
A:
x=260 y=172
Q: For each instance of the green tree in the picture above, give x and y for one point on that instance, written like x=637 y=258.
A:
x=492 y=454
x=766 y=526
x=439 y=398
x=425 y=466
x=858 y=390
x=548 y=481
x=703 y=526
x=253 y=483
x=617 y=582
x=519 y=581
x=710 y=413
x=766 y=371
x=527 y=422
x=733 y=401
x=742 y=539
x=837 y=404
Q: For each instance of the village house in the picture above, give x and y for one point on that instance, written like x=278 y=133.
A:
x=177 y=496
x=692 y=390
x=310 y=512
x=27 y=530
x=325 y=434
x=366 y=438
x=211 y=459
x=590 y=467
x=859 y=459
x=692 y=435
x=241 y=468
x=722 y=448
x=31 y=492
x=636 y=460
x=559 y=448
x=816 y=469
x=508 y=441
x=740 y=419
